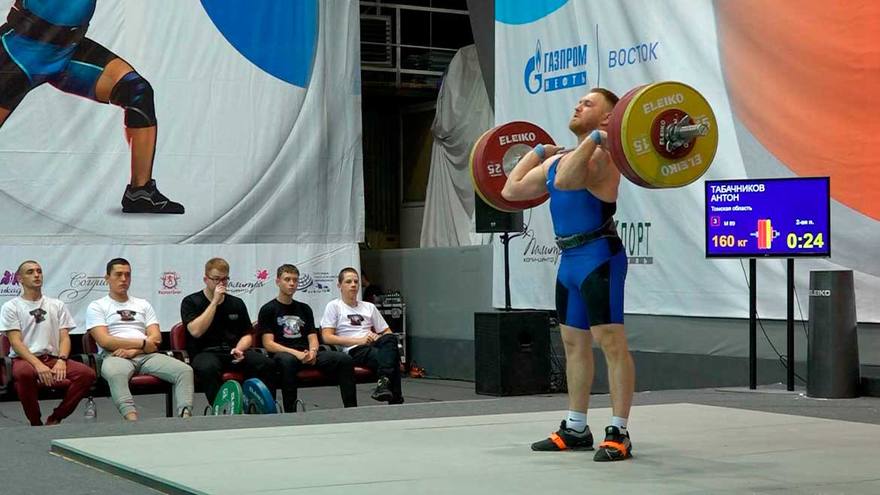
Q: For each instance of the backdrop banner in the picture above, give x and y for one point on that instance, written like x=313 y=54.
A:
x=762 y=76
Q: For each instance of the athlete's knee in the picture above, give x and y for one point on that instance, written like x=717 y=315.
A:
x=577 y=341
x=613 y=343
x=133 y=93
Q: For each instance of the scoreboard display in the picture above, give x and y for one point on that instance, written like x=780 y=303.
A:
x=751 y=218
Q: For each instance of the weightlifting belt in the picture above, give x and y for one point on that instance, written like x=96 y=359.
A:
x=572 y=241
x=38 y=29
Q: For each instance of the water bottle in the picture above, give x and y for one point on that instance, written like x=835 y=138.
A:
x=91 y=415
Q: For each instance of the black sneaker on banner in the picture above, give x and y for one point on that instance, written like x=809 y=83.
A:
x=148 y=199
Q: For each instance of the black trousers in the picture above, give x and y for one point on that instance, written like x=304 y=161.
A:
x=384 y=357
x=333 y=363
x=208 y=367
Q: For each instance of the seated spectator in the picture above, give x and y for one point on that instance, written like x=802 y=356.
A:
x=289 y=333
x=38 y=329
x=127 y=331
x=359 y=328
x=221 y=333
x=372 y=293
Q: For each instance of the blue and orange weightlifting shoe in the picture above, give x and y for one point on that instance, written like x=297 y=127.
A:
x=565 y=439
x=615 y=447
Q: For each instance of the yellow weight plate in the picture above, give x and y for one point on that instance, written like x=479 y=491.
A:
x=647 y=112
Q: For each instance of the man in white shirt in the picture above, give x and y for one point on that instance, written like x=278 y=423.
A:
x=359 y=328
x=38 y=331
x=127 y=331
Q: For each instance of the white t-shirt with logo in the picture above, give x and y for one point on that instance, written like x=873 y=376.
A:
x=126 y=320
x=356 y=321
x=39 y=321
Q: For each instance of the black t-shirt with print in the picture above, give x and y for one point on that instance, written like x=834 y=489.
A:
x=291 y=324
x=231 y=322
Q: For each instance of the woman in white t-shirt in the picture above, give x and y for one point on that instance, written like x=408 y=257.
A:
x=358 y=327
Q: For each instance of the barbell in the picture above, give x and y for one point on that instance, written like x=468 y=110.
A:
x=660 y=135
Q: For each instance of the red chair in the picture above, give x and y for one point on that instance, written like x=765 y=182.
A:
x=139 y=384
x=178 y=345
x=54 y=391
x=5 y=365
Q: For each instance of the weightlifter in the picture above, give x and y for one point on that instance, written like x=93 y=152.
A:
x=583 y=188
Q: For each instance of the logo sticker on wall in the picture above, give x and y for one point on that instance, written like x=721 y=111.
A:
x=636 y=239
x=237 y=287
x=561 y=68
x=82 y=285
x=317 y=283
x=9 y=285
x=278 y=37
x=170 y=281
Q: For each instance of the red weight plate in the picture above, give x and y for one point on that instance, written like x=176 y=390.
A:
x=495 y=154
x=615 y=146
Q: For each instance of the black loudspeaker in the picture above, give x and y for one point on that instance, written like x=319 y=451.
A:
x=512 y=352
x=491 y=220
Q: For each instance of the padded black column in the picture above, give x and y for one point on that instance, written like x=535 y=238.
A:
x=833 y=346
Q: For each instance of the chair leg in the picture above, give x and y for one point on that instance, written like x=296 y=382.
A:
x=169 y=404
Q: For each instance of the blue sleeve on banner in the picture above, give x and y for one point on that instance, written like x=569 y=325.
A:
x=524 y=11
x=278 y=37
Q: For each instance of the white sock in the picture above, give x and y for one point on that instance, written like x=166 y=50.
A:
x=576 y=421
x=620 y=423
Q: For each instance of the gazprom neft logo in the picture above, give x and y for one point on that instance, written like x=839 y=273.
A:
x=556 y=69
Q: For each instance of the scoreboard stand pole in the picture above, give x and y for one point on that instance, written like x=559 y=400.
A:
x=753 y=327
x=753 y=319
x=505 y=239
x=790 y=322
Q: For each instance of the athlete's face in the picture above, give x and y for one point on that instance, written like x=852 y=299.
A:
x=119 y=279
x=287 y=283
x=31 y=276
x=591 y=112
x=349 y=286
x=215 y=278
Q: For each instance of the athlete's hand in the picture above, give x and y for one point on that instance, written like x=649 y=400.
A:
x=310 y=357
x=126 y=353
x=59 y=371
x=237 y=355
x=552 y=149
x=219 y=293
x=44 y=374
